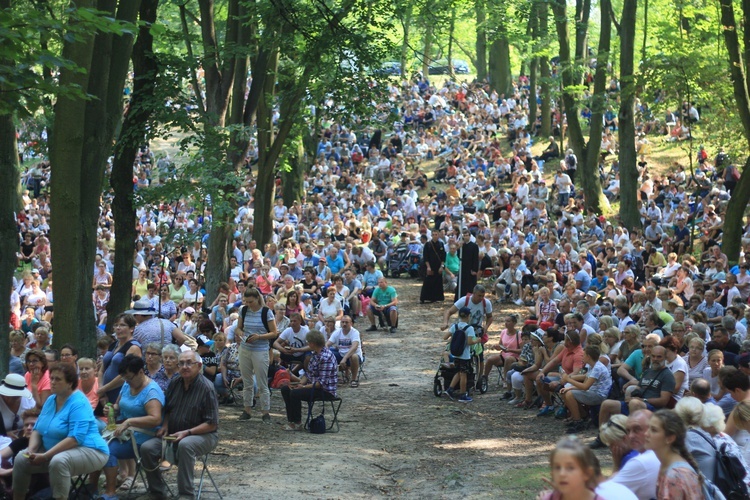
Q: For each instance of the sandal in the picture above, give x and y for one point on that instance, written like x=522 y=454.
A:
x=127 y=483
x=354 y=383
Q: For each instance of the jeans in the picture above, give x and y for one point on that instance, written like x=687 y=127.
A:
x=187 y=449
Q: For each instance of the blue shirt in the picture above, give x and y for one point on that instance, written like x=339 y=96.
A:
x=134 y=406
x=469 y=335
x=585 y=280
x=254 y=324
x=75 y=419
x=371 y=279
x=335 y=264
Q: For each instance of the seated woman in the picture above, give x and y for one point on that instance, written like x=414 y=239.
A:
x=139 y=406
x=319 y=381
x=614 y=435
x=15 y=399
x=65 y=441
x=9 y=453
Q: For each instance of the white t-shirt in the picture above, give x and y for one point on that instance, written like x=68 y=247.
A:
x=639 y=475
x=295 y=340
x=478 y=312
x=680 y=365
x=609 y=490
x=343 y=342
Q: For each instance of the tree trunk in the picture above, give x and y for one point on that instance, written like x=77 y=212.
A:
x=733 y=223
x=595 y=200
x=645 y=31
x=82 y=141
x=500 y=77
x=451 y=29
x=533 y=84
x=292 y=179
x=544 y=70
x=583 y=9
x=427 y=57
x=9 y=186
x=406 y=25
x=629 y=215
x=145 y=69
x=738 y=63
x=481 y=44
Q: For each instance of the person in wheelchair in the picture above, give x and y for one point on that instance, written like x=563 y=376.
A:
x=462 y=361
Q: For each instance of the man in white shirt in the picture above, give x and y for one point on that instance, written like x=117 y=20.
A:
x=640 y=473
x=347 y=347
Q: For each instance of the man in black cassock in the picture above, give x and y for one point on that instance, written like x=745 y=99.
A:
x=433 y=256
x=468 y=255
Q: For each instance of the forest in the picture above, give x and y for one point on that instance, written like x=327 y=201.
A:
x=95 y=80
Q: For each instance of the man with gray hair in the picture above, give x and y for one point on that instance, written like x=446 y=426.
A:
x=191 y=420
x=702 y=330
x=588 y=319
x=730 y=324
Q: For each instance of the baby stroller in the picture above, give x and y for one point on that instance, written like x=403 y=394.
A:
x=446 y=371
x=398 y=260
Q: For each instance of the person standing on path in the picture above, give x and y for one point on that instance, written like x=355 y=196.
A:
x=433 y=256
x=468 y=255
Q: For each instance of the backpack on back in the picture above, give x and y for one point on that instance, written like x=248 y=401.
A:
x=458 y=341
x=263 y=317
x=729 y=473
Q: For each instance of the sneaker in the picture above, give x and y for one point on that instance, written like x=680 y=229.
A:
x=546 y=410
x=597 y=444
x=561 y=413
x=449 y=391
x=245 y=415
x=372 y=328
x=507 y=395
x=518 y=302
x=514 y=401
x=576 y=427
x=465 y=399
x=266 y=418
x=393 y=329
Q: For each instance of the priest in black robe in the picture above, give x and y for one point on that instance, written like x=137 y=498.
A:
x=468 y=255
x=433 y=257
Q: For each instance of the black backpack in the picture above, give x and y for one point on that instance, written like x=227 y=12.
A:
x=729 y=473
x=458 y=341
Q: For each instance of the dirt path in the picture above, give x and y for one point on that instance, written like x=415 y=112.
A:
x=397 y=439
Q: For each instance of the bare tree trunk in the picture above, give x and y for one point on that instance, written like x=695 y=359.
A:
x=533 y=29
x=481 y=44
x=9 y=185
x=738 y=64
x=427 y=57
x=500 y=76
x=406 y=25
x=145 y=70
x=583 y=10
x=84 y=132
x=629 y=215
x=451 y=29
x=544 y=70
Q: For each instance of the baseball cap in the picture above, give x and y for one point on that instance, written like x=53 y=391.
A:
x=202 y=340
x=306 y=296
x=189 y=310
x=464 y=312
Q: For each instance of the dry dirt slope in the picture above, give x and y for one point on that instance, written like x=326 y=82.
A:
x=396 y=439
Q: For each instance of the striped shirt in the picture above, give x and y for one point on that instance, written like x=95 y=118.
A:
x=188 y=408
x=323 y=368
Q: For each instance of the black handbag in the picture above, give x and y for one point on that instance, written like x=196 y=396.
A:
x=315 y=425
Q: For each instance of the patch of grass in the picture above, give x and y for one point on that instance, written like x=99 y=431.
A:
x=523 y=483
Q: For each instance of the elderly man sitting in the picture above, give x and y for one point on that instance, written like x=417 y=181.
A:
x=191 y=420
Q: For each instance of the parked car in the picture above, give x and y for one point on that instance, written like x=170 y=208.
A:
x=389 y=68
x=440 y=67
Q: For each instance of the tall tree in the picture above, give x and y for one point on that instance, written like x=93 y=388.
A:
x=544 y=70
x=81 y=142
x=132 y=134
x=588 y=154
x=739 y=59
x=481 y=42
x=629 y=214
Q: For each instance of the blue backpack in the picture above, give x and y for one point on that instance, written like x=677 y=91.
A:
x=458 y=341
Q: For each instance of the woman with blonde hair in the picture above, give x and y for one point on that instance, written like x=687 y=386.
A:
x=598 y=340
x=698 y=442
x=696 y=358
x=611 y=338
x=613 y=434
x=713 y=423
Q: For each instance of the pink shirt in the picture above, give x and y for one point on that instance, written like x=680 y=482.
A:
x=43 y=384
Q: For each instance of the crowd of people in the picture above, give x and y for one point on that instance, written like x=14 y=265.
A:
x=616 y=324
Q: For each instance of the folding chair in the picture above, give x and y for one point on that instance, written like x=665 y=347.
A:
x=335 y=407
x=206 y=472
x=78 y=487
